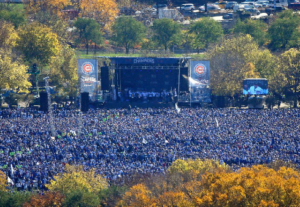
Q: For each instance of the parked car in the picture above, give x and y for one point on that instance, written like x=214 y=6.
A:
x=160 y=6
x=242 y=6
x=253 y=11
x=230 y=4
x=228 y=16
x=186 y=7
x=210 y=7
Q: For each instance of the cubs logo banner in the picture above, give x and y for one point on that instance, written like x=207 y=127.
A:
x=88 y=77
x=199 y=81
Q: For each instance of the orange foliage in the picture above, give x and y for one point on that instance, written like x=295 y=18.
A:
x=49 y=199
x=103 y=11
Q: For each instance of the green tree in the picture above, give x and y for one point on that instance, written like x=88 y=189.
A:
x=79 y=198
x=16 y=199
x=13 y=14
x=284 y=32
x=38 y=43
x=166 y=32
x=88 y=31
x=255 y=28
x=128 y=32
x=290 y=67
x=206 y=31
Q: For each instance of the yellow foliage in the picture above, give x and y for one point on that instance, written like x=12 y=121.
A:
x=104 y=11
x=13 y=74
x=8 y=35
x=3 y=181
x=75 y=178
x=51 y=6
x=138 y=195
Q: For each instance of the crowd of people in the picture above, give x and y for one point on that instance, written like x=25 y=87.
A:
x=119 y=142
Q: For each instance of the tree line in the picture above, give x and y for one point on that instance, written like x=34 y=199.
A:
x=40 y=33
x=186 y=183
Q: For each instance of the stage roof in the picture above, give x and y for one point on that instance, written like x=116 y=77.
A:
x=145 y=60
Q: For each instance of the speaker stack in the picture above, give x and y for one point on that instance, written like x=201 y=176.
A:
x=85 y=101
x=44 y=101
x=104 y=78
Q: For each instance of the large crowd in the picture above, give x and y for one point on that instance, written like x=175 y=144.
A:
x=119 y=142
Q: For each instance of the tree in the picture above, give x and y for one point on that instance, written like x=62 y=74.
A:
x=49 y=199
x=206 y=31
x=231 y=62
x=81 y=198
x=174 y=199
x=12 y=14
x=64 y=74
x=88 y=31
x=76 y=179
x=284 y=32
x=255 y=186
x=128 y=32
x=3 y=181
x=103 y=11
x=8 y=36
x=138 y=195
x=166 y=32
x=255 y=28
x=13 y=73
x=38 y=43
x=54 y=7
x=290 y=67
x=15 y=199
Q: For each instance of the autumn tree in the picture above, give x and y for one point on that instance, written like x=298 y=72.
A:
x=8 y=36
x=103 y=11
x=13 y=73
x=75 y=178
x=206 y=31
x=255 y=186
x=231 y=63
x=128 y=32
x=138 y=195
x=49 y=199
x=88 y=31
x=290 y=68
x=3 y=181
x=54 y=7
x=166 y=32
x=255 y=28
x=38 y=44
x=63 y=72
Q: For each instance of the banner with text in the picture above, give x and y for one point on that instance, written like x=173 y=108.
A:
x=88 y=77
x=199 y=81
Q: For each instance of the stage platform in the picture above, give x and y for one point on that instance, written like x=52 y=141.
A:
x=116 y=105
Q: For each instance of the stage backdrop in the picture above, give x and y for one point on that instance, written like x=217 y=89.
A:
x=88 y=76
x=199 y=81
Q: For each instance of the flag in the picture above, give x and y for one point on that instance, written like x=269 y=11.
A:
x=53 y=138
x=166 y=141
x=10 y=180
x=217 y=122
x=58 y=136
x=99 y=133
x=12 y=153
x=144 y=141
x=90 y=134
x=12 y=169
x=177 y=108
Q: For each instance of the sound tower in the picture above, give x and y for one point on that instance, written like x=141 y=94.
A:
x=104 y=78
x=85 y=101
x=44 y=101
x=184 y=82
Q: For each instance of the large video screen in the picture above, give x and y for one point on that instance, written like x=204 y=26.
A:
x=255 y=87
